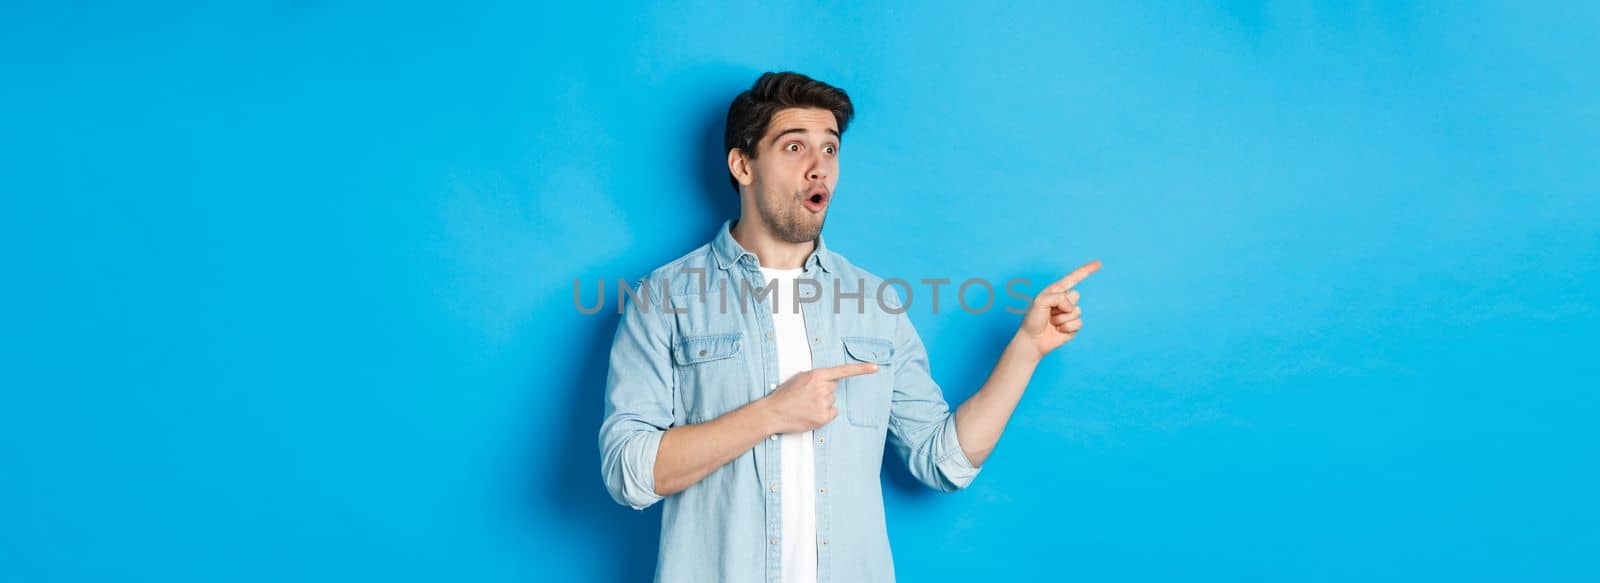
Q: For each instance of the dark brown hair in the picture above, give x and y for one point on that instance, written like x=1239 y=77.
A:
x=751 y=112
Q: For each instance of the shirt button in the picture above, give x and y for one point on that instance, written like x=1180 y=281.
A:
x=774 y=437
x=771 y=386
x=821 y=440
x=824 y=542
x=822 y=490
x=817 y=339
x=774 y=540
x=774 y=487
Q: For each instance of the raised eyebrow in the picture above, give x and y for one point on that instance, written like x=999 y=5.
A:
x=786 y=132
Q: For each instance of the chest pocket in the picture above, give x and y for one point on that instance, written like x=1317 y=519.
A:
x=867 y=397
x=711 y=375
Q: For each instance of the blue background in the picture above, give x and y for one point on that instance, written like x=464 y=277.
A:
x=288 y=286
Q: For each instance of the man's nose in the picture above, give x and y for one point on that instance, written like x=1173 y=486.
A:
x=817 y=166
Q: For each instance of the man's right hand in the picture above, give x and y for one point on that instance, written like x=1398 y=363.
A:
x=806 y=401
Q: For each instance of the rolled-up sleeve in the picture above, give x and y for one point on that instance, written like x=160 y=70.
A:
x=639 y=400
x=922 y=428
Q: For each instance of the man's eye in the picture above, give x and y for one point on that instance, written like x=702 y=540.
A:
x=831 y=149
x=794 y=147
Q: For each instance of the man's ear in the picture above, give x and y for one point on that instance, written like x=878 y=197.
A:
x=739 y=167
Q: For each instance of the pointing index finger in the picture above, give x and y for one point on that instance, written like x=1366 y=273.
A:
x=1077 y=276
x=834 y=373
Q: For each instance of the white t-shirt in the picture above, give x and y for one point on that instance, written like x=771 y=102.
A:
x=798 y=487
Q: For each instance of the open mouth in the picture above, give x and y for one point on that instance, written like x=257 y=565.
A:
x=816 y=200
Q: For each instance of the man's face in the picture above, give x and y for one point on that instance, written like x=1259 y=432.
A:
x=794 y=172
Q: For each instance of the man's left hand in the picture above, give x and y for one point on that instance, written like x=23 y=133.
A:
x=1055 y=317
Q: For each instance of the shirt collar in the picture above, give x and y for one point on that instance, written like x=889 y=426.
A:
x=728 y=251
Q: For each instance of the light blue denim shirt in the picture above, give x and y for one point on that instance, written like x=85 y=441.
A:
x=686 y=353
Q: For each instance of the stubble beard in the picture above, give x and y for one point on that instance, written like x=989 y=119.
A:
x=789 y=221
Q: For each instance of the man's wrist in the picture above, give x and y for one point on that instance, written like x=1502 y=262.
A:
x=762 y=415
x=1024 y=349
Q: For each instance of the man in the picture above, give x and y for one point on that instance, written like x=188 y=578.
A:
x=759 y=412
